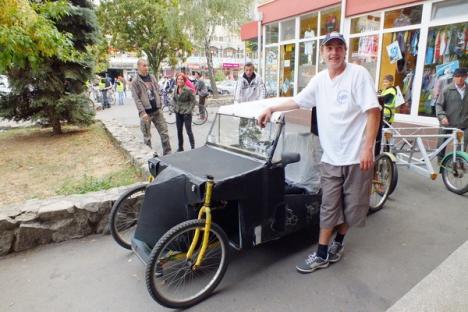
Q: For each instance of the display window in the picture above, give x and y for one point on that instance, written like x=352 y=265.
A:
x=364 y=51
x=307 y=63
x=366 y=23
x=403 y=17
x=398 y=58
x=286 y=78
x=288 y=30
x=330 y=20
x=309 y=25
x=271 y=71
x=447 y=50
x=271 y=33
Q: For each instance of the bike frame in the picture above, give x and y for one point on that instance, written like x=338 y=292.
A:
x=415 y=156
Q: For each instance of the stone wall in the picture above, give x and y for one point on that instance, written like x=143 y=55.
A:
x=57 y=219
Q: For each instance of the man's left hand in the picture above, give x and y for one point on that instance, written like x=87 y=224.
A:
x=367 y=159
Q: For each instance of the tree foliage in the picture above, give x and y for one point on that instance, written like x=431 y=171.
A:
x=28 y=33
x=153 y=27
x=202 y=17
x=48 y=87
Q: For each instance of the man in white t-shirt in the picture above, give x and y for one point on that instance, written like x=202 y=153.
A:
x=348 y=117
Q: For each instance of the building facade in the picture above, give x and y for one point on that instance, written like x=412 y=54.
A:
x=227 y=50
x=419 y=43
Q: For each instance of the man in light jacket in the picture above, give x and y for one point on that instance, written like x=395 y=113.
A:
x=145 y=93
x=250 y=86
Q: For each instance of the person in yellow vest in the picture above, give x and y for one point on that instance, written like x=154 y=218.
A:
x=119 y=87
x=104 y=85
x=389 y=98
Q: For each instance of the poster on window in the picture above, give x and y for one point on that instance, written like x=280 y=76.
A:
x=394 y=52
x=447 y=68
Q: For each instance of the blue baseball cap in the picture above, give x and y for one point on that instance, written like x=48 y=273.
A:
x=333 y=36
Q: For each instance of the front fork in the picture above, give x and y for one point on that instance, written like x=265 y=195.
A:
x=204 y=211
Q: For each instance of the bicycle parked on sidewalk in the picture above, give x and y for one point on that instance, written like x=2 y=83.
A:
x=199 y=114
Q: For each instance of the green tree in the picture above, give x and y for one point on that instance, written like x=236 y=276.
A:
x=153 y=27
x=202 y=17
x=28 y=33
x=50 y=88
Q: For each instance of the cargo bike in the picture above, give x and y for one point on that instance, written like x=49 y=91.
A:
x=246 y=186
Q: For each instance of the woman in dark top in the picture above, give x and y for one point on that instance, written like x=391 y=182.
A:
x=183 y=101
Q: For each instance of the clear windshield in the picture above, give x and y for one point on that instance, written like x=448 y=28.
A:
x=243 y=135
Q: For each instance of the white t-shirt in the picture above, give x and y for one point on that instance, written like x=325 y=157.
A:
x=341 y=111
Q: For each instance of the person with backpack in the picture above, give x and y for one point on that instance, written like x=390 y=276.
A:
x=389 y=94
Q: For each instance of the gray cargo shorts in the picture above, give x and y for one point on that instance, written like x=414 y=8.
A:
x=345 y=195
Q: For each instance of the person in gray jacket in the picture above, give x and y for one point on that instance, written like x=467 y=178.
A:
x=452 y=107
x=145 y=93
x=250 y=86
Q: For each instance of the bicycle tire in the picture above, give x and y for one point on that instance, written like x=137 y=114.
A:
x=381 y=182
x=116 y=214
x=160 y=270
x=199 y=115
x=169 y=114
x=394 y=179
x=459 y=172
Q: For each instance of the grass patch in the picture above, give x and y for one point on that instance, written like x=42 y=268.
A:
x=93 y=184
x=36 y=164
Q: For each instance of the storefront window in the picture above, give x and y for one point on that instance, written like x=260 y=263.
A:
x=330 y=20
x=288 y=30
x=363 y=51
x=447 y=9
x=321 y=62
x=365 y=23
x=446 y=51
x=271 y=71
x=309 y=26
x=403 y=17
x=271 y=33
x=399 y=56
x=307 y=63
x=287 y=64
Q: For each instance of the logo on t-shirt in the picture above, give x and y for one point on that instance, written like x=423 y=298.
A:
x=343 y=97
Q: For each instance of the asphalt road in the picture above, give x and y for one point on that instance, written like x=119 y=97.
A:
x=421 y=224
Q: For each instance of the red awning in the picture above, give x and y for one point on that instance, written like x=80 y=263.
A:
x=249 y=30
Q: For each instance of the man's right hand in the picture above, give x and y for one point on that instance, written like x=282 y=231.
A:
x=145 y=117
x=444 y=121
x=264 y=117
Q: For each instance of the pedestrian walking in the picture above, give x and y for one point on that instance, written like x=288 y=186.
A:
x=120 y=88
x=250 y=86
x=452 y=108
x=145 y=93
x=184 y=102
x=202 y=92
x=348 y=116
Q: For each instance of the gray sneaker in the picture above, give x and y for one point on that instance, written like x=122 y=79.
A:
x=312 y=263
x=335 y=251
